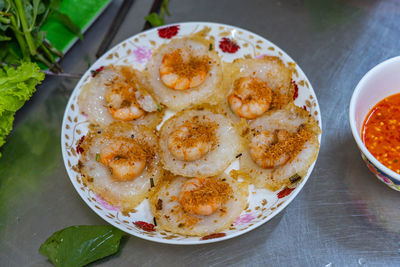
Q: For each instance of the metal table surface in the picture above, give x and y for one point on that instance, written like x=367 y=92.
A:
x=342 y=217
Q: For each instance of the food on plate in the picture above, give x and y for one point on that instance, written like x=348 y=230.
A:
x=121 y=163
x=198 y=206
x=198 y=142
x=380 y=132
x=251 y=97
x=217 y=117
x=118 y=93
x=258 y=85
x=185 y=73
x=282 y=146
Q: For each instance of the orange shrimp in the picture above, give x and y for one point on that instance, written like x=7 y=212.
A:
x=180 y=70
x=121 y=97
x=203 y=196
x=125 y=158
x=191 y=141
x=265 y=149
x=250 y=98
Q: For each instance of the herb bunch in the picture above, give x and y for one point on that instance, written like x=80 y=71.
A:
x=20 y=34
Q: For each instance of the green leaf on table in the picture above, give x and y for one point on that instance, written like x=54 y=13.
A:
x=80 y=245
x=66 y=20
x=154 y=19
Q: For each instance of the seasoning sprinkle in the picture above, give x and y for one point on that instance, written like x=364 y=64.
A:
x=97 y=156
x=239 y=155
x=151 y=182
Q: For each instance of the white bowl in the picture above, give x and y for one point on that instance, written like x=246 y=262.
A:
x=380 y=82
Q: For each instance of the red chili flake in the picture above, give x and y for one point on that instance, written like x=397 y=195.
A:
x=296 y=90
x=78 y=147
x=212 y=236
x=168 y=32
x=285 y=192
x=304 y=107
x=95 y=72
x=228 y=46
x=148 y=227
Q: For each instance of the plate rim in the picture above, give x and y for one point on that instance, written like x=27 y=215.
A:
x=290 y=198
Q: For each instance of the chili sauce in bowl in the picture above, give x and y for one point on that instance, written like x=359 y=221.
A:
x=374 y=116
x=381 y=132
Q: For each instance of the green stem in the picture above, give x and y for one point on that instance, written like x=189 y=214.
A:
x=46 y=62
x=5 y=20
x=27 y=33
x=53 y=49
x=47 y=53
x=20 y=39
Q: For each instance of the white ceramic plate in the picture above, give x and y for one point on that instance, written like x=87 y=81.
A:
x=136 y=51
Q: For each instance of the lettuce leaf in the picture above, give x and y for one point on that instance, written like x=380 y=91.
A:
x=77 y=246
x=17 y=85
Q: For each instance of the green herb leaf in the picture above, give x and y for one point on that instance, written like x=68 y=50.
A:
x=6 y=121
x=41 y=9
x=54 y=4
x=4 y=37
x=65 y=19
x=16 y=87
x=80 y=245
x=97 y=156
x=164 y=8
x=9 y=53
x=159 y=107
x=2 y=4
x=39 y=38
x=28 y=10
x=154 y=19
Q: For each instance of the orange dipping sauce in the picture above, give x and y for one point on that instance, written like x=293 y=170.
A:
x=381 y=132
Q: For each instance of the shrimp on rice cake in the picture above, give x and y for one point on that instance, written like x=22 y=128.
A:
x=121 y=163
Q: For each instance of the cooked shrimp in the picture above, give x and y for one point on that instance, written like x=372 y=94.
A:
x=270 y=150
x=121 y=97
x=191 y=141
x=123 y=105
x=203 y=196
x=125 y=158
x=250 y=98
x=267 y=151
x=180 y=70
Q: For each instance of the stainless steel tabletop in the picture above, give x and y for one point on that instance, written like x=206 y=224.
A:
x=342 y=217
